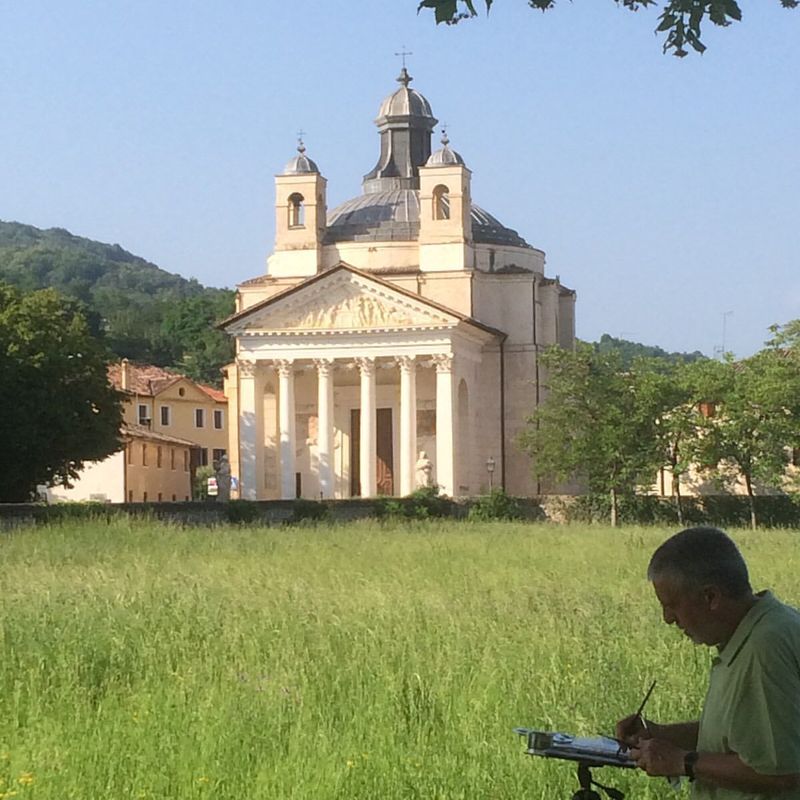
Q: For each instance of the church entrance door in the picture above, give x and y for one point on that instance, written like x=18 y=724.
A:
x=385 y=452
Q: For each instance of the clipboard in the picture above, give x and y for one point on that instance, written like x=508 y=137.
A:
x=597 y=751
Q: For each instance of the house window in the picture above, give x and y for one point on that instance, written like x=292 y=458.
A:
x=297 y=211
x=166 y=416
x=441 y=202
x=143 y=414
x=199 y=418
x=174 y=498
x=185 y=460
x=144 y=497
x=203 y=456
x=130 y=495
x=217 y=454
x=172 y=458
x=218 y=419
x=158 y=456
x=144 y=454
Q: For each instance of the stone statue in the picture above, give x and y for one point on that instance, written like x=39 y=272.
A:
x=424 y=468
x=223 y=473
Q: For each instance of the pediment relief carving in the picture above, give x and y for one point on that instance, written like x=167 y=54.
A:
x=347 y=306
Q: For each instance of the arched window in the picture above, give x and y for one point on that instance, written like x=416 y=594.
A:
x=297 y=211
x=441 y=202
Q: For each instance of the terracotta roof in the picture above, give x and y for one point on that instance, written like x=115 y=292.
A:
x=149 y=380
x=141 y=432
x=214 y=394
x=142 y=378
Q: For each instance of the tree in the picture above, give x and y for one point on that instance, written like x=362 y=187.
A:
x=59 y=410
x=756 y=423
x=681 y=20
x=595 y=424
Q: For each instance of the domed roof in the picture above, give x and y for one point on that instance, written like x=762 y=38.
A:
x=394 y=216
x=405 y=102
x=444 y=156
x=301 y=163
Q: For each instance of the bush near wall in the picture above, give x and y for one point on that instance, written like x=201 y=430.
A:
x=773 y=511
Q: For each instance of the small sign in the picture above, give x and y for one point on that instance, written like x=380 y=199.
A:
x=213 y=488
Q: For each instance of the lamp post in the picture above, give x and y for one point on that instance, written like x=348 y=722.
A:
x=490 y=469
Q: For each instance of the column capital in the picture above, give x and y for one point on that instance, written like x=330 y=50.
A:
x=285 y=366
x=443 y=362
x=366 y=365
x=247 y=369
x=324 y=366
x=406 y=363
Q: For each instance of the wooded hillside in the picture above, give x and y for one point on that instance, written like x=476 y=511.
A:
x=141 y=311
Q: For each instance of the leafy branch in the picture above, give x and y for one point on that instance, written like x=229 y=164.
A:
x=681 y=20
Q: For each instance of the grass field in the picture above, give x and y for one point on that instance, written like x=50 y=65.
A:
x=361 y=661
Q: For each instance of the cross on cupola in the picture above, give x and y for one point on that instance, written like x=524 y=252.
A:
x=404 y=78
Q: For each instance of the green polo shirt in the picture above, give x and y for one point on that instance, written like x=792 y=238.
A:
x=752 y=707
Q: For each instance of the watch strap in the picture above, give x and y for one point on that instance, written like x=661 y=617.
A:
x=689 y=760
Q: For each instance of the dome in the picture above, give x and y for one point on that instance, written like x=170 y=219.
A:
x=301 y=163
x=444 y=156
x=405 y=102
x=394 y=216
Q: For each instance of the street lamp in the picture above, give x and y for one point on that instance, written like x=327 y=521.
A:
x=490 y=469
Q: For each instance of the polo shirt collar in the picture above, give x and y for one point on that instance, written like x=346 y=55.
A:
x=766 y=602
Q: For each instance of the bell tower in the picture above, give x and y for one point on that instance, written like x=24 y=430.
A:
x=300 y=215
x=445 y=221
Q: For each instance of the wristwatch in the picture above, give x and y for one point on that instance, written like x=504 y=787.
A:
x=689 y=760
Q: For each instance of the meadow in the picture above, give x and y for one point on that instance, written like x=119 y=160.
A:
x=363 y=661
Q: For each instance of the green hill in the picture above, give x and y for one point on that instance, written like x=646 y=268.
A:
x=142 y=312
x=628 y=351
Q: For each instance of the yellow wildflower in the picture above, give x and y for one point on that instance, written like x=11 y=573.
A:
x=25 y=779
x=203 y=779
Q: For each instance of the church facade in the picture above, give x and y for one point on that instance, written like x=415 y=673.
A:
x=393 y=340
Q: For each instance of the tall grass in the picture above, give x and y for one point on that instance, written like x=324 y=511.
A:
x=366 y=661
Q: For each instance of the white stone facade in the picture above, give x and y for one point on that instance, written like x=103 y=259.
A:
x=412 y=321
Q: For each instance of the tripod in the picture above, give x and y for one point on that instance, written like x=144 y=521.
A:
x=586 y=781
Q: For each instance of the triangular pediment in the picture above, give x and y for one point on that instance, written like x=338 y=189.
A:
x=342 y=300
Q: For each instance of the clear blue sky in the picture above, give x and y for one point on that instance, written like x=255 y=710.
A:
x=665 y=191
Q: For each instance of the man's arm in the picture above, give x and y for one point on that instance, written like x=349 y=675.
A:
x=726 y=770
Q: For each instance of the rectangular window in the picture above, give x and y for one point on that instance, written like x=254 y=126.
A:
x=158 y=456
x=172 y=458
x=199 y=418
x=166 y=416
x=218 y=419
x=185 y=460
x=203 y=456
x=159 y=497
x=144 y=497
x=174 y=498
x=129 y=448
x=143 y=414
x=217 y=454
x=144 y=455
x=130 y=495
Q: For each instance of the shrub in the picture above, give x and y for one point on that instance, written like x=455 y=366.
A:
x=308 y=511
x=242 y=511
x=495 y=505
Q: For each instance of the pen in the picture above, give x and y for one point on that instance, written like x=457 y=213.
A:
x=642 y=705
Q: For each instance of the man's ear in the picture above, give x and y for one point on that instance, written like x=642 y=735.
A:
x=712 y=595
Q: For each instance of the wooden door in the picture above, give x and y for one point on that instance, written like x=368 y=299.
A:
x=385 y=452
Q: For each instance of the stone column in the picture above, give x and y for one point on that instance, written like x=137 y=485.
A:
x=251 y=429
x=368 y=448
x=285 y=370
x=408 y=423
x=325 y=425
x=445 y=421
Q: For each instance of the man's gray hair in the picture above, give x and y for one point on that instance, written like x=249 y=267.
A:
x=702 y=557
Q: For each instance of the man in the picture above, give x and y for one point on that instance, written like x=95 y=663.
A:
x=747 y=741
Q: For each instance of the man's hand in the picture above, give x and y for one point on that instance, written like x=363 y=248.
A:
x=631 y=730
x=658 y=757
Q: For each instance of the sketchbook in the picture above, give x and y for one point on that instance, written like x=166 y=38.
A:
x=598 y=751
